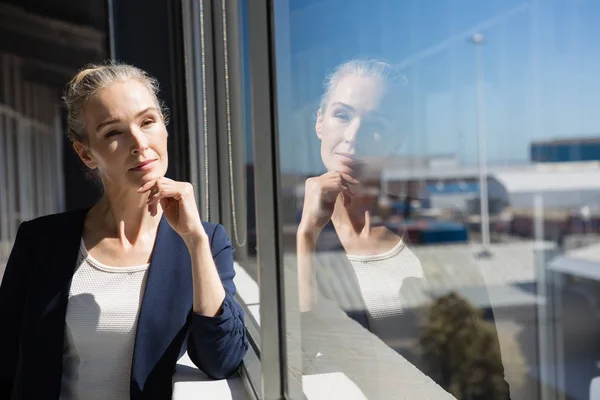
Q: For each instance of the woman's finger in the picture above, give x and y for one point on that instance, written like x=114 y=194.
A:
x=348 y=178
x=342 y=176
x=155 y=183
x=336 y=185
x=147 y=186
x=166 y=191
x=344 y=188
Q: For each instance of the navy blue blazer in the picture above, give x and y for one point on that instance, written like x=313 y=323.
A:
x=33 y=304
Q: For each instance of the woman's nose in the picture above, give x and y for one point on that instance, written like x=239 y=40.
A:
x=351 y=136
x=352 y=132
x=140 y=142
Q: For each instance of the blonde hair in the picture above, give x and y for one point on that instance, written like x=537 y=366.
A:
x=94 y=77
x=389 y=74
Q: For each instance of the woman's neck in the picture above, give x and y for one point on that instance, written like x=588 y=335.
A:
x=356 y=233
x=124 y=215
x=351 y=222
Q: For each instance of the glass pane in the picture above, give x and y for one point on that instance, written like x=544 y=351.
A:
x=246 y=237
x=440 y=187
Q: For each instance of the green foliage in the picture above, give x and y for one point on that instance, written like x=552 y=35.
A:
x=461 y=350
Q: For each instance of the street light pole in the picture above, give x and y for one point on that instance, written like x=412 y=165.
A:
x=477 y=39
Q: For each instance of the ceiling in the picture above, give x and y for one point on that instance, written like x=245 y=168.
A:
x=90 y=13
x=54 y=38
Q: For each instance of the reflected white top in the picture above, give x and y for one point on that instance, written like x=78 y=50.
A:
x=100 y=327
x=382 y=279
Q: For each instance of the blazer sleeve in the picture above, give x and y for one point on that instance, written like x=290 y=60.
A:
x=217 y=345
x=13 y=291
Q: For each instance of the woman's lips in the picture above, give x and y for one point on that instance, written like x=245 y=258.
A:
x=346 y=158
x=145 y=166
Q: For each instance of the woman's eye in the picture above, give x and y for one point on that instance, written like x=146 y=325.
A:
x=342 y=116
x=112 y=133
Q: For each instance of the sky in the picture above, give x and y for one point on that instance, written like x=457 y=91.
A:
x=540 y=64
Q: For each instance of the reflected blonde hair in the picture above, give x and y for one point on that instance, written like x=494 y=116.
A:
x=94 y=77
x=389 y=74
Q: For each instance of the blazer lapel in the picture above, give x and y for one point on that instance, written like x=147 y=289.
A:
x=166 y=304
x=51 y=281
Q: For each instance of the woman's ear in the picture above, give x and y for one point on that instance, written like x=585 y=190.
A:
x=85 y=155
x=319 y=124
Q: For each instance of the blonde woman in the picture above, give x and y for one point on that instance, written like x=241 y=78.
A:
x=101 y=303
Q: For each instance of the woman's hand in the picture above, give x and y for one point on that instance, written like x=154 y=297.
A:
x=179 y=205
x=320 y=195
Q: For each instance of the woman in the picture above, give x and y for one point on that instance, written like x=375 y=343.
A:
x=356 y=126
x=101 y=303
x=369 y=272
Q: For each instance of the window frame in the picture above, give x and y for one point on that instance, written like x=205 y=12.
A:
x=275 y=374
x=212 y=49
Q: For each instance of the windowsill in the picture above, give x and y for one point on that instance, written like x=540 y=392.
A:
x=189 y=381
x=349 y=361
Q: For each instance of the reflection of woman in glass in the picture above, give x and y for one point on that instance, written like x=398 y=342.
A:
x=376 y=277
x=355 y=124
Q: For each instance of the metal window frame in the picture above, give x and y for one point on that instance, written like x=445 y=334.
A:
x=211 y=143
x=230 y=100
x=278 y=381
x=215 y=120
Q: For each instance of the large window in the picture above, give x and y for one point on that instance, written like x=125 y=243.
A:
x=467 y=246
x=413 y=187
x=31 y=181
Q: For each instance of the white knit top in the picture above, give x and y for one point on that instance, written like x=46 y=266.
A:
x=100 y=329
x=383 y=283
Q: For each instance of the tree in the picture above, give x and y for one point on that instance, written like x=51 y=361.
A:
x=461 y=350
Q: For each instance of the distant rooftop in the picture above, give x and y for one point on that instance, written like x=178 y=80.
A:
x=547 y=180
x=577 y=140
x=531 y=177
x=583 y=262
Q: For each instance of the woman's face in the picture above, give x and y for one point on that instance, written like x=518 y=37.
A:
x=355 y=125
x=127 y=137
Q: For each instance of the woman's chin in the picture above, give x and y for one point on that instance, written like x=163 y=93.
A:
x=340 y=168
x=150 y=176
x=355 y=168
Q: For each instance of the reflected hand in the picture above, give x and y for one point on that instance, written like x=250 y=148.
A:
x=178 y=203
x=320 y=195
